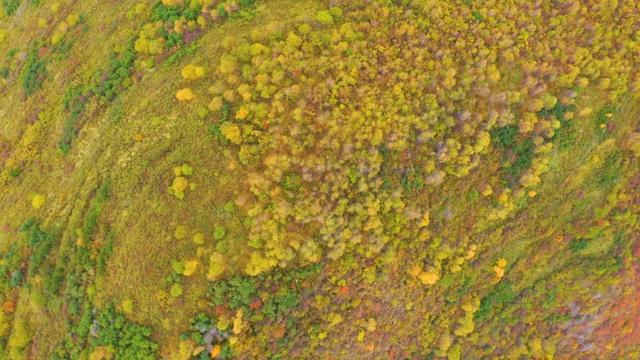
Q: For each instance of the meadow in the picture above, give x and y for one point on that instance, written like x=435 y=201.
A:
x=319 y=179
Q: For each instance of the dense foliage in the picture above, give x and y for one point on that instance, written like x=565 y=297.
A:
x=319 y=179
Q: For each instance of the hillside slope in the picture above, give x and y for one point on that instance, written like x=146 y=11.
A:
x=311 y=179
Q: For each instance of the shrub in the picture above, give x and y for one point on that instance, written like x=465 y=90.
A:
x=74 y=102
x=33 y=72
x=222 y=11
x=237 y=292
x=105 y=252
x=53 y=279
x=19 y=340
x=412 y=181
x=523 y=159
x=325 y=17
x=602 y=119
x=181 y=53
x=40 y=242
x=10 y=6
x=190 y=267
x=192 y=72
x=219 y=232
x=207 y=347
x=292 y=182
x=176 y=290
x=214 y=130
x=501 y=295
x=166 y=13
x=610 y=172
x=17 y=277
x=192 y=12
x=477 y=16
x=171 y=39
x=91 y=220
x=217 y=265
x=185 y=95
x=15 y=172
x=231 y=132
x=129 y=340
x=116 y=76
x=578 y=244
x=247 y=3
x=504 y=136
x=282 y=302
x=38 y=201
x=179 y=186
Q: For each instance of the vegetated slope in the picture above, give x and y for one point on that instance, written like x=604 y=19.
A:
x=319 y=179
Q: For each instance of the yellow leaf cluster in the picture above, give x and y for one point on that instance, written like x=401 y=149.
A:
x=38 y=201
x=192 y=72
x=231 y=132
x=190 y=267
x=217 y=265
x=498 y=269
x=185 y=95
